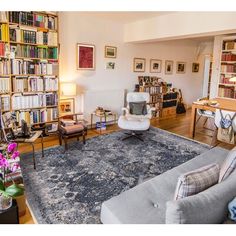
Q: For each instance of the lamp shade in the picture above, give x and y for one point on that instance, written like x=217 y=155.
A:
x=68 y=89
x=232 y=79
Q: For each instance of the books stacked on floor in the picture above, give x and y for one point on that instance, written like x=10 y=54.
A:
x=52 y=114
x=4 y=67
x=4 y=84
x=3 y=16
x=51 y=99
x=20 y=66
x=3 y=32
x=51 y=83
x=28 y=101
x=5 y=102
x=226 y=68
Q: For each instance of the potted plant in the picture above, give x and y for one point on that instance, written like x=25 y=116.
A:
x=9 y=163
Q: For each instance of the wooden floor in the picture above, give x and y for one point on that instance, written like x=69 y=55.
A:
x=179 y=124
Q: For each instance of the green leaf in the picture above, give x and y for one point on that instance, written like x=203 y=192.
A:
x=4 y=193
x=15 y=190
x=2 y=186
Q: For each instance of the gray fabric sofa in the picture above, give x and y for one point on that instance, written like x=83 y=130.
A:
x=151 y=202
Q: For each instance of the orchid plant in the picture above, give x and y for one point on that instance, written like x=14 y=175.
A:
x=9 y=163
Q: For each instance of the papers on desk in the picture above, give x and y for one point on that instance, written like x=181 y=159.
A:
x=212 y=103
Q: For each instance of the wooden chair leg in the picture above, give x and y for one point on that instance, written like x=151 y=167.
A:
x=42 y=145
x=33 y=156
x=83 y=138
x=77 y=138
x=66 y=144
x=60 y=139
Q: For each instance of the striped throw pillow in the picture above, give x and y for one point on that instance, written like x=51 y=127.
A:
x=228 y=166
x=197 y=181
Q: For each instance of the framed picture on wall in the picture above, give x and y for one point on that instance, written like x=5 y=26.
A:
x=139 y=65
x=195 y=67
x=85 y=57
x=110 y=51
x=155 y=66
x=110 y=65
x=66 y=106
x=180 y=67
x=169 y=67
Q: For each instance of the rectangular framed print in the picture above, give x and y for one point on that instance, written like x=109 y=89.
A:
x=169 y=67
x=180 y=67
x=110 y=51
x=139 y=65
x=66 y=106
x=195 y=67
x=155 y=66
x=85 y=57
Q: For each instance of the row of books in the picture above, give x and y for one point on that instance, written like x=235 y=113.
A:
x=229 y=45
x=228 y=57
x=4 y=84
x=20 y=35
x=51 y=99
x=37 y=116
x=4 y=67
x=20 y=66
x=28 y=101
x=5 y=102
x=40 y=52
x=3 y=32
x=225 y=80
x=3 y=16
x=227 y=92
x=2 y=49
x=226 y=68
x=151 y=90
x=34 y=84
x=33 y=19
x=155 y=99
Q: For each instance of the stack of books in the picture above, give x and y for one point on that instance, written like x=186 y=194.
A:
x=4 y=84
x=67 y=122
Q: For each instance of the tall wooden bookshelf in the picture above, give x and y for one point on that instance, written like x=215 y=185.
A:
x=29 y=83
x=226 y=88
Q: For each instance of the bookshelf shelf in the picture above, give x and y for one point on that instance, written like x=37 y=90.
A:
x=33 y=36
x=228 y=62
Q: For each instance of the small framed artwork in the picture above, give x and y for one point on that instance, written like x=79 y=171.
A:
x=139 y=65
x=180 y=67
x=67 y=106
x=155 y=66
x=110 y=65
x=85 y=57
x=195 y=67
x=169 y=67
x=110 y=51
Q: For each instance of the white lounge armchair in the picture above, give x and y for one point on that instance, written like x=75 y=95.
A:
x=135 y=123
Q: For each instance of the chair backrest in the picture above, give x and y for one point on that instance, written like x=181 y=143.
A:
x=137 y=97
x=224 y=112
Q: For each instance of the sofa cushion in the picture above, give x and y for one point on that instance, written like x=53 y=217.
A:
x=196 y=181
x=72 y=129
x=207 y=207
x=146 y=203
x=229 y=165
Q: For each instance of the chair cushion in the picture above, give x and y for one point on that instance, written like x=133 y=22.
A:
x=72 y=129
x=138 y=108
x=136 y=124
x=197 y=180
x=228 y=166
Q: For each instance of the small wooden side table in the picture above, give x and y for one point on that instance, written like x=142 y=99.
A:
x=103 y=116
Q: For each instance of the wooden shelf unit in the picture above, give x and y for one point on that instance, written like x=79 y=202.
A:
x=227 y=89
x=8 y=56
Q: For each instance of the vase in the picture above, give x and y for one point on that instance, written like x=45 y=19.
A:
x=21 y=203
x=5 y=202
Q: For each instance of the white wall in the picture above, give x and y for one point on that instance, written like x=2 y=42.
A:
x=78 y=27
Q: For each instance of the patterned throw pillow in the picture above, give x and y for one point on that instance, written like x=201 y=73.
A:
x=197 y=181
x=228 y=166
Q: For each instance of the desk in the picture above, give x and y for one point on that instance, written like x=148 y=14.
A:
x=224 y=104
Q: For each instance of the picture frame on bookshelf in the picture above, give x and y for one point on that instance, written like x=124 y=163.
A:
x=180 y=67
x=66 y=106
x=139 y=64
x=85 y=56
x=155 y=66
x=195 y=67
x=169 y=67
x=110 y=51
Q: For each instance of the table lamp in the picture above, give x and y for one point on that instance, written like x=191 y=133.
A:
x=68 y=89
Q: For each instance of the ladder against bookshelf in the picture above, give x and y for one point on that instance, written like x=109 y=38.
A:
x=29 y=65
x=226 y=88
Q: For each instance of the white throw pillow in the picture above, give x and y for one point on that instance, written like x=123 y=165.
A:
x=196 y=181
x=228 y=165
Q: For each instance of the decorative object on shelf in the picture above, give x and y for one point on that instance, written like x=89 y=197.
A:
x=66 y=106
x=180 y=67
x=68 y=89
x=85 y=57
x=155 y=66
x=110 y=51
x=169 y=67
x=139 y=64
x=195 y=67
x=232 y=79
x=110 y=65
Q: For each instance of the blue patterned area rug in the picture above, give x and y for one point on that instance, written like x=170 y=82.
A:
x=70 y=187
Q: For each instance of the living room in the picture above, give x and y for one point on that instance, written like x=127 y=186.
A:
x=117 y=117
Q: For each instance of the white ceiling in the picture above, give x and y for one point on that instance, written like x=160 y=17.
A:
x=127 y=16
